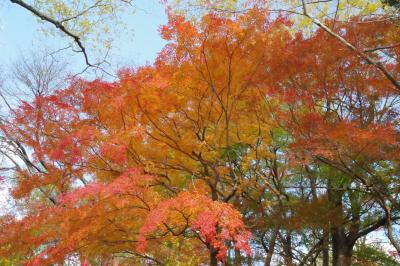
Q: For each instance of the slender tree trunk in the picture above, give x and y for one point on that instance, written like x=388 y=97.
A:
x=287 y=249
x=325 y=251
x=271 y=246
x=213 y=257
x=213 y=251
x=341 y=248
x=238 y=258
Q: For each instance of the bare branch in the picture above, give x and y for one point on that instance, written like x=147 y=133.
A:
x=382 y=48
x=58 y=25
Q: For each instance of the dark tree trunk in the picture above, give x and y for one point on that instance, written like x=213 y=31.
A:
x=213 y=257
x=342 y=253
x=213 y=251
x=342 y=248
x=238 y=258
x=271 y=246
x=287 y=249
x=325 y=251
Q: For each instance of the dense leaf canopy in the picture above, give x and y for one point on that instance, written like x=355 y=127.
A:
x=244 y=138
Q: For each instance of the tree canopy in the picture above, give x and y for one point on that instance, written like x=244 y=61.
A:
x=251 y=139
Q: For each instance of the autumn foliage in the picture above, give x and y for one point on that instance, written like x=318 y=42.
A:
x=243 y=129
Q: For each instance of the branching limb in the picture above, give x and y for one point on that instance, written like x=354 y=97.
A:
x=360 y=53
x=56 y=24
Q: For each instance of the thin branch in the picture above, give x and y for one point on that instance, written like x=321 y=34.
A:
x=56 y=24
x=382 y=48
x=82 y=13
x=361 y=54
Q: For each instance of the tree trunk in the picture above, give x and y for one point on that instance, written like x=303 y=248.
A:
x=325 y=251
x=342 y=250
x=287 y=249
x=213 y=257
x=343 y=256
x=238 y=258
x=271 y=246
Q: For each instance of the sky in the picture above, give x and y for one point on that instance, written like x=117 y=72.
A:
x=20 y=32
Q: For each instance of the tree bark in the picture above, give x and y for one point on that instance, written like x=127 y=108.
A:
x=213 y=257
x=287 y=249
x=342 y=250
x=325 y=251
x=271 y=246
x=238 y=258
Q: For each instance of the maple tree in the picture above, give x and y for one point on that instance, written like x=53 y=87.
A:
x=84 y=136
x=244 y=142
